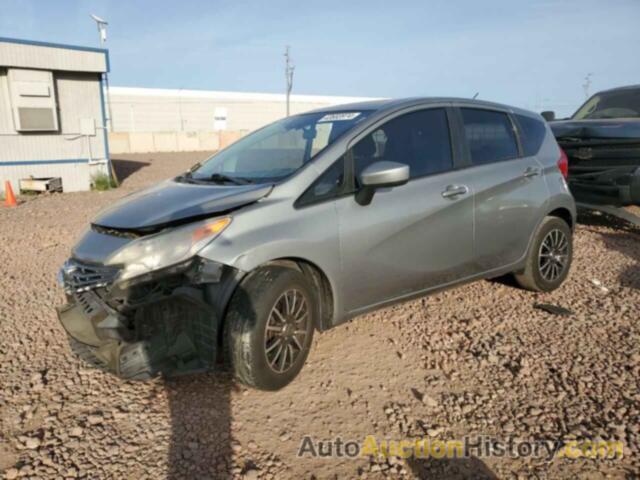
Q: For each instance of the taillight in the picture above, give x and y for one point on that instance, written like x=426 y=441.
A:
x=563 y=164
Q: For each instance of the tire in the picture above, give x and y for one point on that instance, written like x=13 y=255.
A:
x=251 y=348
x=537 y=275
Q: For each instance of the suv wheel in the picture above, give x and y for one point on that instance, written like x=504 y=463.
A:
x=269 y=327
x=549 y=259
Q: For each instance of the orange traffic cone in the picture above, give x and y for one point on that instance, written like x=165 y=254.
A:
x=9 y=197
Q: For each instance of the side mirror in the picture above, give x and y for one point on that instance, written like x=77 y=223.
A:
x=379 y=175
x=548 y=115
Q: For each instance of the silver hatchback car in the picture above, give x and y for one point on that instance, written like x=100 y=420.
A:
x=309 y=222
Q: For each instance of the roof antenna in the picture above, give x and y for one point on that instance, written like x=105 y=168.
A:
x=475 y=96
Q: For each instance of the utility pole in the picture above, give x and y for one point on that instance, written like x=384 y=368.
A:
x=587 y=84
x=102 y=33
x=289 y=67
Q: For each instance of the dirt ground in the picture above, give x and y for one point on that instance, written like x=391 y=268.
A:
x=477 y=360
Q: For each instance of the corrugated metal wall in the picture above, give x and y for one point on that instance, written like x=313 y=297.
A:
x=23 y=154
x=43 y=56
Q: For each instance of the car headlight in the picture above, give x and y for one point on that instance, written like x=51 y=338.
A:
x=164 y=249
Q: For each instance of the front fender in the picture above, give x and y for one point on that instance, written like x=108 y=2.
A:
x=256 y=237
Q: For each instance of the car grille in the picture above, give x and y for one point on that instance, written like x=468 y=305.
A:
x=114 y=232
x=81 y=277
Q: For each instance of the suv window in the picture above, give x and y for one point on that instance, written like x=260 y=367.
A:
x=490 y=136
x=326 y=187
x=532 y=132
x=418 y=139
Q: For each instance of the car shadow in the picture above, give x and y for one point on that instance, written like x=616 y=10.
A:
x=627 y=243
x=595 y=219
x=125 y=167
x=450 y=469
x=624 y=239
x=201 y=441
x=508 y=280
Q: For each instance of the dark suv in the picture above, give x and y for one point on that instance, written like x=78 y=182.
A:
x=602 y=141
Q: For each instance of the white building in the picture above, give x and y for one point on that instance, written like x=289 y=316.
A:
x=52 y=113
x=150 y=119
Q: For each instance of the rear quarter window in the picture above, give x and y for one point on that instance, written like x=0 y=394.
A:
x=532 y=132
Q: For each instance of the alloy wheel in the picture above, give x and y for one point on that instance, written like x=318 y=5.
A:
x=553 y=255
x=286 y=330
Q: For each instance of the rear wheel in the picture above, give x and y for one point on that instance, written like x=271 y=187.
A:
x=269 y=327
x=549 y=259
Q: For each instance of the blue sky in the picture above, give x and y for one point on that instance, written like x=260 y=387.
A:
x=533 y=54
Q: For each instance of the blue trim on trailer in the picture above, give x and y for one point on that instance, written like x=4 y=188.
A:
x=36 y=43
x=105 y=131
x=43 y=162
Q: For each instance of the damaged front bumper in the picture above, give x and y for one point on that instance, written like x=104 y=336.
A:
x=163 y=323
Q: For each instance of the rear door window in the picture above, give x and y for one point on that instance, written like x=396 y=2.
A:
x=532 y=132
x=419 y=139
x=490 y=136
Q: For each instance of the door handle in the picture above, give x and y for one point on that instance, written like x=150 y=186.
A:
x=531 y=172
x=454 y=190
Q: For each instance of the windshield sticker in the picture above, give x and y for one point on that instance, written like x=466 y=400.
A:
x=337 y=117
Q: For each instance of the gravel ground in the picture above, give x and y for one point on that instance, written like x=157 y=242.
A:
x=477 y=360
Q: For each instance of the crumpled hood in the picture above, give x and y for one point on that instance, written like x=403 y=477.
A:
x=171 y=202
x=613 y=128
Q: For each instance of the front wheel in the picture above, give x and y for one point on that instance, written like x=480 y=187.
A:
x=549 y=258
x=269 y=327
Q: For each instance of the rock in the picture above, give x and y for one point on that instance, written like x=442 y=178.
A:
x=508 y=427
x=32 y=443
x=75 y=432
x=11 y=474
x=430 y=401
x=113 y=450
x=251 y=474
x=284 y=436
x=94 y=419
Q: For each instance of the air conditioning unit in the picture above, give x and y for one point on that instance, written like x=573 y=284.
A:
x=33 y=100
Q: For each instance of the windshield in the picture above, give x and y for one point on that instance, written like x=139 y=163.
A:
x=617 y=104
x=278 y=150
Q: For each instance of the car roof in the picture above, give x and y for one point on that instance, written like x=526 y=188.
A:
x=616 y=89
x=393 y=104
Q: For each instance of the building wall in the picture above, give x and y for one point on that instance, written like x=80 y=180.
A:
x=155 y=120
x=47 y=56
x=64 y=153
x=188 y=114
x=144 y=142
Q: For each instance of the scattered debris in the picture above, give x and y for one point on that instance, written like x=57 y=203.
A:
x=553 y=309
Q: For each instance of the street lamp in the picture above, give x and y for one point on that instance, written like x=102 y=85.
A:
x=102 y=32
x=102 y=28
